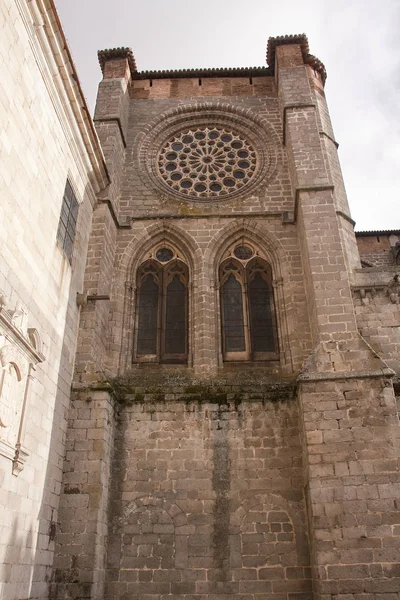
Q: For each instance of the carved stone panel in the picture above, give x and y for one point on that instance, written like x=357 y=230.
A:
x=19 y=353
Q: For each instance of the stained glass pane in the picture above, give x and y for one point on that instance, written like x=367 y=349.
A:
x=232 y=312
x=164 y=254
x=148 y=315
x=175 y=318
x=261 y=318
x=243 y=252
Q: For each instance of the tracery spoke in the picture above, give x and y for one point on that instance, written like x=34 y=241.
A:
x=207 y=162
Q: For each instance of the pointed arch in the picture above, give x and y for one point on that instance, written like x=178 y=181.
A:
x=261 y=332
x=240 y=231
x=142 y=247
x=161 y=309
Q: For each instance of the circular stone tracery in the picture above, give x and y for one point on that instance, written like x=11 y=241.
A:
x=206 y=163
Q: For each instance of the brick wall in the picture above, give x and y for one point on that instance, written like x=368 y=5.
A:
x=376 y=250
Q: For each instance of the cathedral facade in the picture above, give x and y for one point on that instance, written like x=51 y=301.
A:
x=232 y=428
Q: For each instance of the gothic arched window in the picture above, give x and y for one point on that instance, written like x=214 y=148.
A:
x=247 y=308
x=162 y=308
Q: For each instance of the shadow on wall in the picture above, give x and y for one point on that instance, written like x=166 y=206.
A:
x=16 y=570
x=43 y=556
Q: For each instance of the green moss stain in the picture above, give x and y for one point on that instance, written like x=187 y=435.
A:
x=154 y=388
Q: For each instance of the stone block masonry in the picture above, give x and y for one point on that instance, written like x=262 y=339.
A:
x=206 y=493
x=351 y=436
x=238 y=474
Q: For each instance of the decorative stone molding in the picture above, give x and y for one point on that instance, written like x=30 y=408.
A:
x=204 y=73
x=20 y=352
x=290 y=40
x=396 y=253
x=115 y=54
x=366 y=294
x=369 y=292
x=54 y=60
x=393 y=290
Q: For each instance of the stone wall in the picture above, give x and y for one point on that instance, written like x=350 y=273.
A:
x=211 y=476
x=206 y=491
x=351 y=432
x=378 y=320
x=378 y=250
x=41 y=146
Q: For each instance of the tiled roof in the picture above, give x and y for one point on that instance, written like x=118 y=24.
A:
x=218 y=72
x=378 y=232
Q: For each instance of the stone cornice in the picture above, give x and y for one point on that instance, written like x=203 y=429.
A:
x=55 y=63
x=115 y=54
x=118 y=53
x=25 y=345
x=286 y=40
x=386 y=232
x=289 y=40
x=273 y=42
x=204 y=73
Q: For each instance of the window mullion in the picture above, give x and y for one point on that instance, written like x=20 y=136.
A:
x=247 y=316
x=161 y=317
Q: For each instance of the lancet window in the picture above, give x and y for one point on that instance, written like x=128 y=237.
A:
x=248 y=319
x=162 y=309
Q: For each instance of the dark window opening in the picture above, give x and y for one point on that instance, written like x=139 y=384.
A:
x=247 y=311
x=162 y=308
x=175 y=321
x=232 y=313
x=68 y=218
x=148 y=317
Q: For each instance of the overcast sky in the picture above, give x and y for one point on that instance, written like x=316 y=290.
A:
x=357 y=40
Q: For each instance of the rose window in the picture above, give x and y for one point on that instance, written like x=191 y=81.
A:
x=205 y=163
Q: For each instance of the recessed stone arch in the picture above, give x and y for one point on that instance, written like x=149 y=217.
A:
x=252 y=231
x=257 y=235
x=137 y=251
x=263 y=136
x=175 y=513
x=9 y=355
x=275 y=527
x=150 y=533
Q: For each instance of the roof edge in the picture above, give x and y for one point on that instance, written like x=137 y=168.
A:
x=115 y=54
x=206 y=72
x=49 y=38
x=377 y=232
x=273 y=42
x=288 y=40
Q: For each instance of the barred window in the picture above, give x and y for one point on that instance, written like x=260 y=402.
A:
x=162 y=301
x=67 y=224
x=247 y=308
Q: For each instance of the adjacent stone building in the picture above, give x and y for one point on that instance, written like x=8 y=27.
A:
x=51 y=169
x=232 y=428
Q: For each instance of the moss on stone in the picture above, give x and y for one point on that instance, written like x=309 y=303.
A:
x=224 y=392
